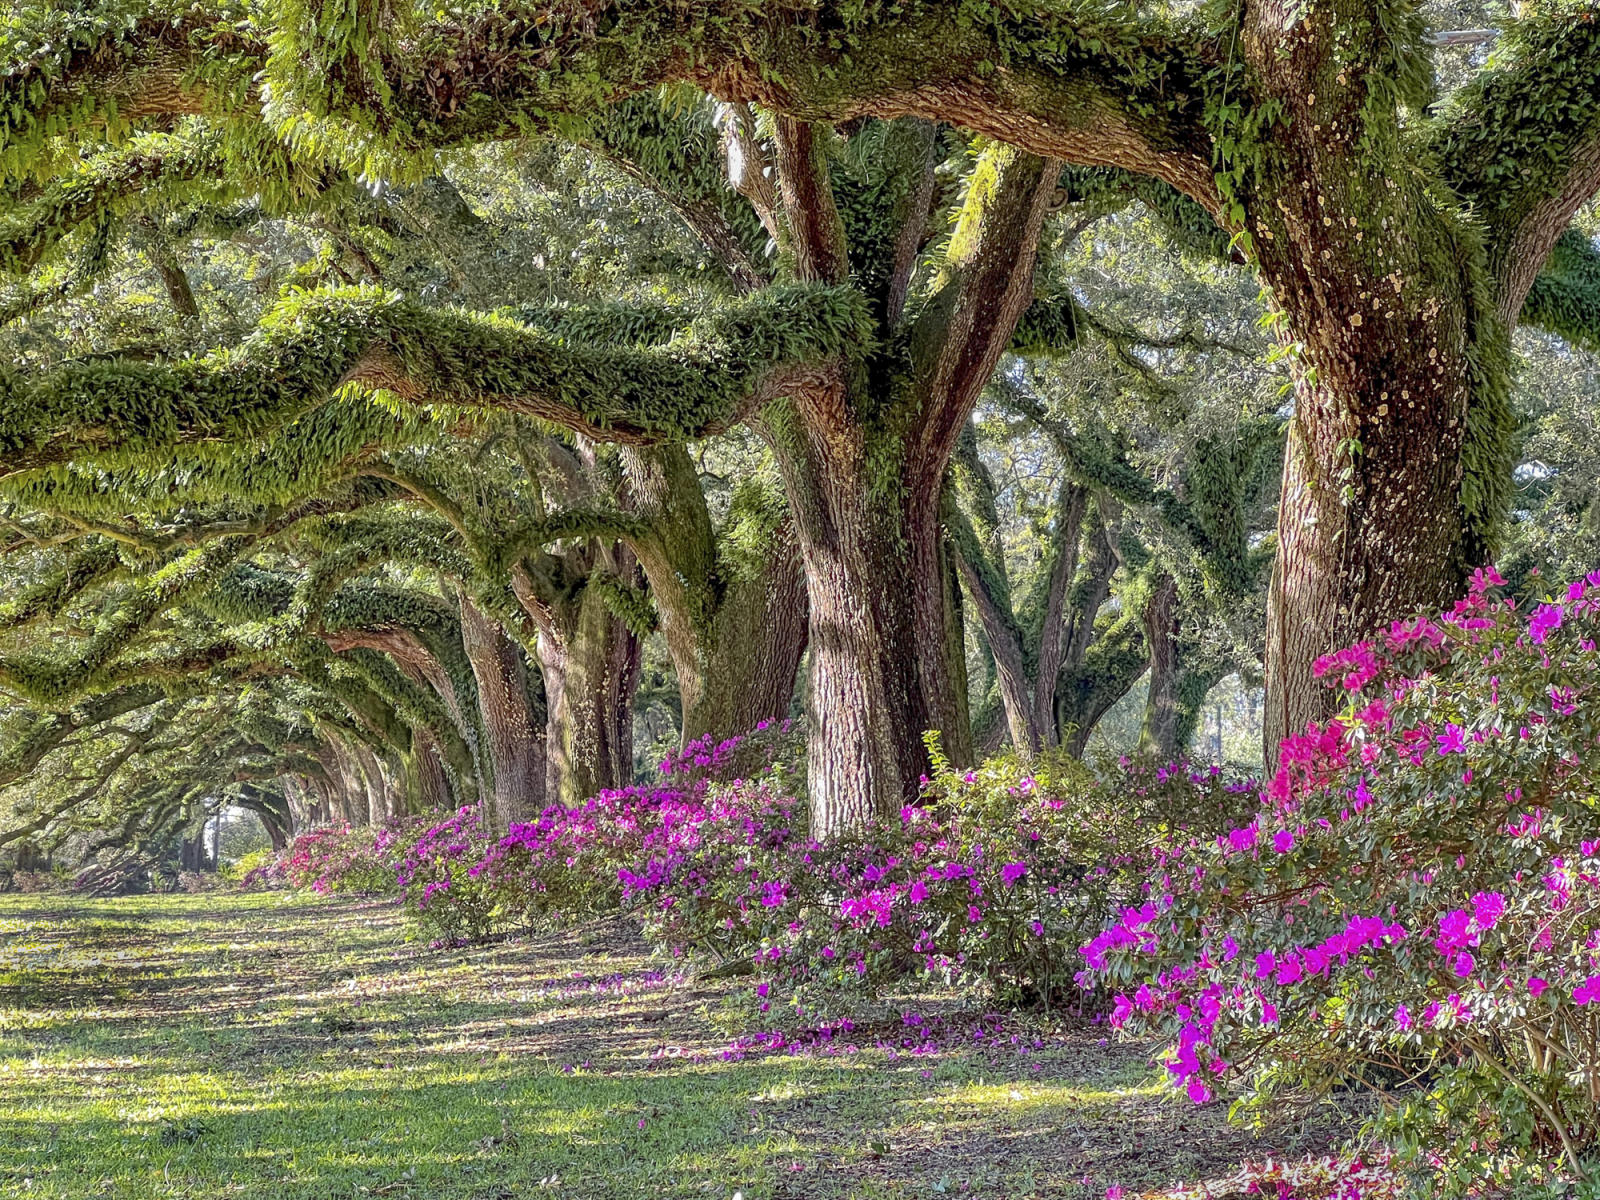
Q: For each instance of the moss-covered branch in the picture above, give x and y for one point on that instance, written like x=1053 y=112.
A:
x=1521 y=142
x=53 y=678
x=1565 y=297
x=99 y=187
x=81 y=568
x=1084 y=82
x=342 y=342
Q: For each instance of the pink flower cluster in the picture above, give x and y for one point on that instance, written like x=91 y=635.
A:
x=1452 y=795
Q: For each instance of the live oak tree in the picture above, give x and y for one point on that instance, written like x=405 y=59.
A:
x=1063 y=653
x=866 y=685
x=1399 y=242
x=526 y=518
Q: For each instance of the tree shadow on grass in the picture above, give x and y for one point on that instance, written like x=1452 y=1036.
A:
x=304 y=1051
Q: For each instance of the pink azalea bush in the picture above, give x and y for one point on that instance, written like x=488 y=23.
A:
x=464 y=883
x=1412 y=908
x=340 y=858
x=990 y=882
x=987 y=884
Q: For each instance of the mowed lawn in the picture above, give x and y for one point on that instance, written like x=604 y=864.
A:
x=284 y=1046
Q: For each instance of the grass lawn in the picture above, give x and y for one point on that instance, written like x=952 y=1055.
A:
x=293 y=1047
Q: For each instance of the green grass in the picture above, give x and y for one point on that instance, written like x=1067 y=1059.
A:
x=290 y=1047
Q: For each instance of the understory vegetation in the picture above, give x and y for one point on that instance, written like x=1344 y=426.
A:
x=273 y=1045
x=1406 y=912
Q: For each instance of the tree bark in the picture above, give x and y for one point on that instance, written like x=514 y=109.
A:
x=865 y=705
x=758 y=640
x=513 y=732
x=430 y=780
x=736 y=635
x=863 y=459
x=1158 y=737
x=591 y=670
x=1363 y=538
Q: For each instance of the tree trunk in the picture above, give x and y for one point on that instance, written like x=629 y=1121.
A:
x=590 y=675
x=514 y=734
x=1159 y=736
x=866 y=706
x=275 y=833
x=736 y=635
x=430 y=781
x=1397 y=339
x=381 y=796
x=300 y=803
x=1363 y=538
x=758 y=639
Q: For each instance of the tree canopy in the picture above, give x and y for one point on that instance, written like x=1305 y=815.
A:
x=495 y=354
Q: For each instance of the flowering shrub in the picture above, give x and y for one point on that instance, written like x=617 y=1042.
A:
x=338 y=858
x=259 y=870
x=990 y=883
x=1413 y=906
x=569 y=864
x=438 y=881
x=771 y=751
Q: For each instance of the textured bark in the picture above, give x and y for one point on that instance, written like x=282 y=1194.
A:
x=736 y=637
x=1354 y=553
x=430 y=779
x=863 y=463
x=300 y=803
x=1379 y=287
x=758 y=639
x=864 y=704
x=590 y=672
x=513 y=733
x=1159 y=735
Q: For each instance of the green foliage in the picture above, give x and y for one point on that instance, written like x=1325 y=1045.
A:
x=1510 y=138
x=306 y=349
x=1565 y=297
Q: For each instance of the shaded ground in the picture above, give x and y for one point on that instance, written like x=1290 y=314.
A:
x=287 y=1047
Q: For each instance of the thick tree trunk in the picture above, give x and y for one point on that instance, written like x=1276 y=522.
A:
x=514 y=733
x=1398 y=339
x=866 y=706
x=382 y=798
x=430 y=780
x=275 y=833
x=295 y=794
x=863 y=461
x=1363 y=538
x=758 y=639
x=736 y=643
x=590 y=675
x=361 y=789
